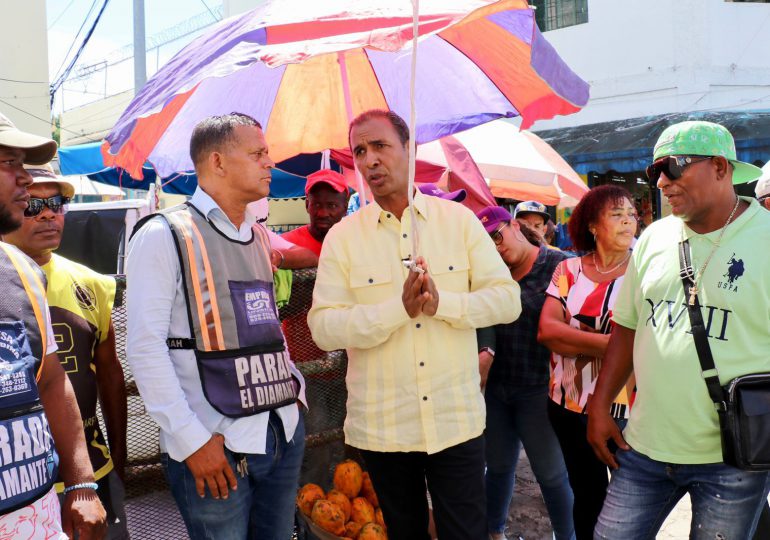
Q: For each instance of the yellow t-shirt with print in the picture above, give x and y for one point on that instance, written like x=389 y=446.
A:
x=81 y=306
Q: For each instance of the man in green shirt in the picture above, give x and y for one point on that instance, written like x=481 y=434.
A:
x=671 y=445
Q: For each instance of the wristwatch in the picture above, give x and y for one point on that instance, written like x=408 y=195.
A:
x=490 y=350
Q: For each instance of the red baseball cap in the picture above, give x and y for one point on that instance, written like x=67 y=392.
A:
x=329 y=177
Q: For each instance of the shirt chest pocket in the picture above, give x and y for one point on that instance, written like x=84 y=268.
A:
x=371 y=284
x=451 y=271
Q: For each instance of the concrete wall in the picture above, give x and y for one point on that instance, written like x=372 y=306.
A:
x=24 y=57
x=647 y=57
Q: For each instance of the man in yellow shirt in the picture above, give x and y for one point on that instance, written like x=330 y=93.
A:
x=414 y=408
x=81 y=314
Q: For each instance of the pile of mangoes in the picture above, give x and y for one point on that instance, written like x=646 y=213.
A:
x=350 y=510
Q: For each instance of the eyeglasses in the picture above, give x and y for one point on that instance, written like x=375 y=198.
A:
x=57 y=204
x=672 y=166
x=497 y=235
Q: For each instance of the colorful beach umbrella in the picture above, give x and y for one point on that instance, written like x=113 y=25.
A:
x=517 y=164
x=304 y=69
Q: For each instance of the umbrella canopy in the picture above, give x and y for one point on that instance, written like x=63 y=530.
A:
x=303 y=70
x=516 y=164
x=457 y=172
x=288 y=176
x=86 y=186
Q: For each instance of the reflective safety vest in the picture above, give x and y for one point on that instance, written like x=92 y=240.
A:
x=28 y=459
x=239 y=346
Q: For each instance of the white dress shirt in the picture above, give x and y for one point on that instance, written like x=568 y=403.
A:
x=168 y=381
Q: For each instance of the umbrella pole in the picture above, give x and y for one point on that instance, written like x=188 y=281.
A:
x=413 y=131
x=349 y=109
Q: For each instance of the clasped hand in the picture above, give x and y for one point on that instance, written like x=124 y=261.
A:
x=420 y=294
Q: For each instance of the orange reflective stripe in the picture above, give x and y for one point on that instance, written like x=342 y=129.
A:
x=36 y=307
x=264 y=240
x=195 y=279
x=215 y=318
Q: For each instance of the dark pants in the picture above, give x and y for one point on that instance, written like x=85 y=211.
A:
x=587 y=475
x=763 y=527
x=455 y=479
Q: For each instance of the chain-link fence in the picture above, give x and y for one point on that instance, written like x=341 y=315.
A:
x=152 y=514
x=150 y=509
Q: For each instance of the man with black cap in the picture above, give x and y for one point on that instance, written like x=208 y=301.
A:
x=39 y=409
x=671 y=445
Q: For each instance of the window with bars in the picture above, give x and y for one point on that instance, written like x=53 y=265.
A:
x=554 y=14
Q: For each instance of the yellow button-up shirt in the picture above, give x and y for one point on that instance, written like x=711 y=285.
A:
x=413 y=384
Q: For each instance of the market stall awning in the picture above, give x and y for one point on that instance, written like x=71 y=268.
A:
x=86 y=159
x=626 y=145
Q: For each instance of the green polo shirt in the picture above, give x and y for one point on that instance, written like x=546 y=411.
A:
x=673 y=419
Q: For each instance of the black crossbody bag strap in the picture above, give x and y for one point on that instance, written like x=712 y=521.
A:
x=708 y=368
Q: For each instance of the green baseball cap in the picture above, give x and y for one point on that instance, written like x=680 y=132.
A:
x=699 y=138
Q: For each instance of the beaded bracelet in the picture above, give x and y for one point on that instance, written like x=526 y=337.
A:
x=84 y=485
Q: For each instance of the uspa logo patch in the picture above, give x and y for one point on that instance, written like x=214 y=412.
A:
x=84 y=296
x=735 y=270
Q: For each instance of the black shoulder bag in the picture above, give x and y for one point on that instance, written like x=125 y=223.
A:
x=743 y=405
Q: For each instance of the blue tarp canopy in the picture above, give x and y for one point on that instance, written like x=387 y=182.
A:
x=626 y=145
x=288 y=176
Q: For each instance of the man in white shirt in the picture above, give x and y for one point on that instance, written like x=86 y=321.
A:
x=214 y=373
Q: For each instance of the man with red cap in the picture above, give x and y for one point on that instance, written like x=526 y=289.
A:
x=327 y=202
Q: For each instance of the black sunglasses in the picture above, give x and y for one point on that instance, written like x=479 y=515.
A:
x=497 y=234
x=672 y=166
x=57 y=204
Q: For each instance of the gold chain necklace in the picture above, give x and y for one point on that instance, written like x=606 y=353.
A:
x=699 y=274
x=611 y=270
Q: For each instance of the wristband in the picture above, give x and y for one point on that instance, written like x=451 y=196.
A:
x=84 y=485
x=489 y=350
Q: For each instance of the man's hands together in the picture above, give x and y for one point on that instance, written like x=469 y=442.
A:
x=420 y=294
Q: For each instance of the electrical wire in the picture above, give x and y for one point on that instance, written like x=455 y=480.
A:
x=208 y=8
x=22 y=82
x=48 y=122
x=74 y=40
x=60 y=15
x=57 y=84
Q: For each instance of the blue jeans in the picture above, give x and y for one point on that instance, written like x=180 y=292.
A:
x=263 y=506
x=726 y=502
x=517 y=415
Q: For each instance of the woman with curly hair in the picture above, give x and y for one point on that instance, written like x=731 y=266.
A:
x=575 y=324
